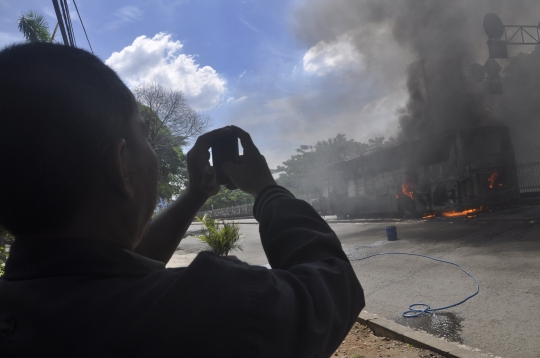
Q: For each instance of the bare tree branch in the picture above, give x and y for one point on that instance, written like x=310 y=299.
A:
x=173 y=110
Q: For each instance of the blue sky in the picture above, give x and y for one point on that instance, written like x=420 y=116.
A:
x=241 y=62
x=290 y=72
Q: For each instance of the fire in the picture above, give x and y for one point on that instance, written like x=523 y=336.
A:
x=455 y=213
x=492 y=179
x=429 y=215
x=408 y=190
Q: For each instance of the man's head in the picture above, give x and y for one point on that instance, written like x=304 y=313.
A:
x=64 y=115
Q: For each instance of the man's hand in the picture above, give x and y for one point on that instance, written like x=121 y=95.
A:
x=252 y=174
x=202 y=177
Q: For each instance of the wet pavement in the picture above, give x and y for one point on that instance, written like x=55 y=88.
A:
x=441 y=324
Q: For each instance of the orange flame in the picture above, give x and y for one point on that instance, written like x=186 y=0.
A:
x=492 y=179
x=408 y=190
x=455 y=213
x=429 y=215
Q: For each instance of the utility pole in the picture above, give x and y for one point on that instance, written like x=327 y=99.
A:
x=499 y=36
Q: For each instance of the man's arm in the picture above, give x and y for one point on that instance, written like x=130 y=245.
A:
x=312 y=293
x=308 y=302
x=168 y=228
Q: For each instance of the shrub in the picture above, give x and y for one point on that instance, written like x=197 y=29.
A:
x=5 y=237
x=220 y=239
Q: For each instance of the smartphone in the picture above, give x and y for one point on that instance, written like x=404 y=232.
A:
x=224 y=150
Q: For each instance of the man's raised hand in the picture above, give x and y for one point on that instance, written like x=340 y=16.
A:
x=252 y=174
x=202 y=176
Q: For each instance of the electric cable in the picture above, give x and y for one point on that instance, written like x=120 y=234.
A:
x=70 y=24
x=69 y=28
x=85 y=34
x=413 y=310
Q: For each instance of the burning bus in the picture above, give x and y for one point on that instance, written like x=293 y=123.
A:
x=454 y=173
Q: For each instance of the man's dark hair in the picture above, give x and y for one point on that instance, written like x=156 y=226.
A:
x=59 y=107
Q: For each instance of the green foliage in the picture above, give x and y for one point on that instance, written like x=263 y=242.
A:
x=3 y=257
x=168 y=148
x=301 y=173
x=221 y=239
x=34 y=27
x=4 y=236
x=226 y=198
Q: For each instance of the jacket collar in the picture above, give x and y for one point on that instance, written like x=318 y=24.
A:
x=30 y=258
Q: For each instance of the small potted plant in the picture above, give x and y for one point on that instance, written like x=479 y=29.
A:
x=221 y=238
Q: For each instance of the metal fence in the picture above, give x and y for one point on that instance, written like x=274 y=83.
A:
x=230 y=212
x=528 y=173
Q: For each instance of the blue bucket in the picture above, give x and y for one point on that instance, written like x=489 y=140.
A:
x=391 y=233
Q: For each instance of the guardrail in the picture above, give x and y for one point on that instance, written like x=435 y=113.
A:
x=528 y=173
x=230 y=212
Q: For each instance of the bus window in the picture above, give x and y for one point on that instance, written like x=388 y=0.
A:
x=481 y=142
x=435 y=150
x=384 y=160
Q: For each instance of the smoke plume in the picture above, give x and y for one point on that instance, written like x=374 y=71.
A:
x=424 y=45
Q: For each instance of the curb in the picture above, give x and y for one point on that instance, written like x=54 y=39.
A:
x=383 y=327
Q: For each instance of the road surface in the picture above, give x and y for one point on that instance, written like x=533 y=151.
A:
x=502 y=250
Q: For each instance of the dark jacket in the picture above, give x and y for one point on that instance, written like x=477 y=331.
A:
x=74 y=298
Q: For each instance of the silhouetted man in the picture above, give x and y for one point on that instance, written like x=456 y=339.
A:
x=86 y=274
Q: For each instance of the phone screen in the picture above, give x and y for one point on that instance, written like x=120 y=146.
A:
x=224 y=150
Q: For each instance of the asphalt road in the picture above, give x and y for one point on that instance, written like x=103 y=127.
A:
x=502 y=250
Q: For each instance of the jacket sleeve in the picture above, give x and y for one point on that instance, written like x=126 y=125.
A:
x=310 y=299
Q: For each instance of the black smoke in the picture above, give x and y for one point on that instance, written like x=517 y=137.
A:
x=431 y=44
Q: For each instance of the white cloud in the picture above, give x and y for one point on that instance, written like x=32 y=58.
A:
x=159 y=59
x=236 y=100
x=339 y=55
x=49 y=11
x=250 y=26
x=8 y=39
x=129 y=13
x=123 y=15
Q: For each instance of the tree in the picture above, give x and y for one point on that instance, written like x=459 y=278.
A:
x=171 y=159
x=172 y=109
x=226 y=198
x=301 y=173
x=34 y=27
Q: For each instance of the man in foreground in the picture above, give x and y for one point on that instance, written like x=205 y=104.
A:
x=86 y=275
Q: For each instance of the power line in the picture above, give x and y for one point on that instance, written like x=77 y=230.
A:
x=67 y=18
x=87 y=39
x=70 y=40
x=60 y=22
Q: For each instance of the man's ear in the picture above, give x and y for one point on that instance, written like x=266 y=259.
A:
x=118 y=168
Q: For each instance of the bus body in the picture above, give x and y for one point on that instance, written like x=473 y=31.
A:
x=462 y=169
